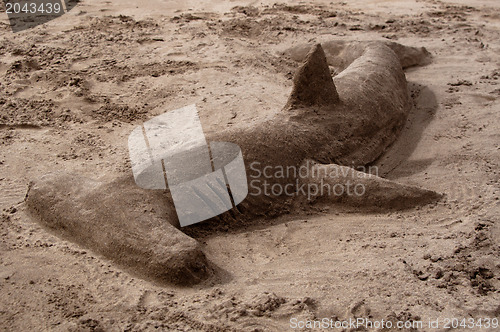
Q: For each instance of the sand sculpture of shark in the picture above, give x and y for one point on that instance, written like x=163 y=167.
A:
x=330 y=125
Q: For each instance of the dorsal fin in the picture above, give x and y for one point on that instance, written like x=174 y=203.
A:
x=313 y=84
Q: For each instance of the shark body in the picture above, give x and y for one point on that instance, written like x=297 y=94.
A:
x=330 y=125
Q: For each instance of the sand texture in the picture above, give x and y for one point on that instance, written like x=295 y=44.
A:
x=406 y=91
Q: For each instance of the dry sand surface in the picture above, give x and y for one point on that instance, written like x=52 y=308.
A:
x=73 y=89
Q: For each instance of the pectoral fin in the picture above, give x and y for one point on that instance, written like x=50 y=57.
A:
x=335 y=183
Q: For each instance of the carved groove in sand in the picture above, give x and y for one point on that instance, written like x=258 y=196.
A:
x=329 y=124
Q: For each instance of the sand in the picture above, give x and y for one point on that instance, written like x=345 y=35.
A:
x=72 y=90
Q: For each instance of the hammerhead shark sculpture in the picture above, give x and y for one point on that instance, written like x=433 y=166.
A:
x=329 y=126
